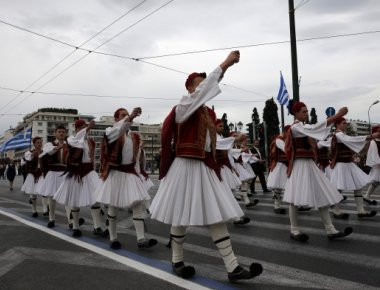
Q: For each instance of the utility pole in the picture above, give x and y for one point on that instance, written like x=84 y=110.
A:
x=293 y=47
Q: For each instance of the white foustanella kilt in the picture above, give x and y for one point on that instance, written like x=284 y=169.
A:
x=31 y=187
x=78 y=193
x=348 y=177
x=191 y=194
x=122 y=190
x=244 y=175
x=147 y=182
x=278 y=177
x=308 y=186
x=328 y=171
x=374 y=174
x=248 y=167
x=230 y=177
x=52 y=182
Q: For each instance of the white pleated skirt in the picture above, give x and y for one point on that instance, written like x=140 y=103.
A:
x=348 y=177
x=230 y=177
x=122 y=190
x=52 y=182
x=374 y=174
x=248 y=167
x=191 y=194
x=29 y=186
x=78 y=193
x=308 y=186
x=244 y=175
x=278 y=177
x=147 y=182
x=328 y=171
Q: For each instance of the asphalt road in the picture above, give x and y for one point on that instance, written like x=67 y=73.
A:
x=34 y=257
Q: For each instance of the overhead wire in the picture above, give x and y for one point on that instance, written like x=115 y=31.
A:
x=65 y=43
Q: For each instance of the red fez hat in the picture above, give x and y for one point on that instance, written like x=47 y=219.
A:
x=339 y=120
x=117 y=112
x=375 y=128
x=218 y=121
x=192 y=76
x=79 y=123
x=297 y=106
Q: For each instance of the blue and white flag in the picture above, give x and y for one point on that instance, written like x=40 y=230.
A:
x=283 y=96
x=19 y=141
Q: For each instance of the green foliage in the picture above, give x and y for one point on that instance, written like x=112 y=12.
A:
x=313 y=116
x=270 y=116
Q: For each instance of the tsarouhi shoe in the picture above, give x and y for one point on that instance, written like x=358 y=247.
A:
x=341 y=216
x=183 y=271
x=242 y=221
x=279 y=210
x=51 y=224
x=46 y=213
x=99 y=232
x=252 y=203
x=77 y=233
x=241 y=274
x=304 y=208
x=81 y=222
x=35 y=214
x=347 y=231
x=146 y=243
x=367 y=214
x=369 y=201
x=299 y=237
x=115 y=244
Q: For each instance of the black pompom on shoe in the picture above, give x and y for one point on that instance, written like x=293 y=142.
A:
x=252 y=203
x=241 y=274
x=146 y=243
x=304 y=208
x=51 y=224
x=369 y=201
x=45 y=213
x=299 y=237
x=99 y=232
x=183 y=271
x=81 y=221
x=115 y=245
x=34 y=214
x=347 y=231
x=242 y=221
x=77 y=233
x=341 y=216
x=279 y=211
x=367 y=214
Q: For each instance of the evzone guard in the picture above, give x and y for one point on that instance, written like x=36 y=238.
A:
x=191 y=192
x=81 y=181
x=306 y=184
x=122 y=186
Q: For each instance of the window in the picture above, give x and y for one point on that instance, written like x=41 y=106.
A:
x=39 y=132
x=40 y=124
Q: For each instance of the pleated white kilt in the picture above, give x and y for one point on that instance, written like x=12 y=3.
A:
x=191 y=194
x=244 y=175
x=230 y=177
x=278 y=177
x=29 y=186
x=122 y=190
x=328 y=172
x=73 y=192
x=308 y=186
x=52 y=182
x=348 y=177
x=248 y=167
x=147 y=182
x=374 y=174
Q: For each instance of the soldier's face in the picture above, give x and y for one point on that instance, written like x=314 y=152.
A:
x=219 y=128
x=60 y=134
x=38 y=144
x=122 y=115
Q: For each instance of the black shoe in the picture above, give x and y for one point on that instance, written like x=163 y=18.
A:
x=115 y=245
x=183 y=271
x=241 y=274
x=146 y=243
x=299 y=237
x=30 y=201
x=242 y=221
x=279 y=210
x=267 y=191
x=347 y=231
x=99 y=232
x=77 y=233
x=367 y=214
x=344 y=198
x=51 y=224
x=81 y=221
x=249 y=194
x=341 y=216
x=11 y=188
x=35 y=214
x=237 y=198
x=70 y=226
x=304 y=208
x=252 y=203
x=45 y=213
x=369 y=201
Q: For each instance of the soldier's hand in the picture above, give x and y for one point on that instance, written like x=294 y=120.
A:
x=343 y=111
x=91 y=124
x=135 y=113
x=233 y=57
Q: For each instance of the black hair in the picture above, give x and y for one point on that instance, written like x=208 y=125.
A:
x=59 y=127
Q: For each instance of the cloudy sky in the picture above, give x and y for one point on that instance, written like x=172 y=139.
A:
x=334 y=72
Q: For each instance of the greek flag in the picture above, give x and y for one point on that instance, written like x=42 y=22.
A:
x=283 y=96
x=19 y=141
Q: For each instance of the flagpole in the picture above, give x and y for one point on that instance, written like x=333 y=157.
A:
x=282 y=118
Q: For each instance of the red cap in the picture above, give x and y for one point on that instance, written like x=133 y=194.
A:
x=192 y=76
x=79 y=123
x=117 y=112
x=297 y=106
x=375 y=129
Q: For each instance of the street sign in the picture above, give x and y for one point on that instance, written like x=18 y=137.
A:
x=330 y=111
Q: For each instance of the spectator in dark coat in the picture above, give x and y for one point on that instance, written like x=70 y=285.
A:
x=10 y=173
x=258 y=167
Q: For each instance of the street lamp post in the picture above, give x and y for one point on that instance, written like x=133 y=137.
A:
x=369 y=118
x=231 y=126
x=240 y=126
x=152 y=159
